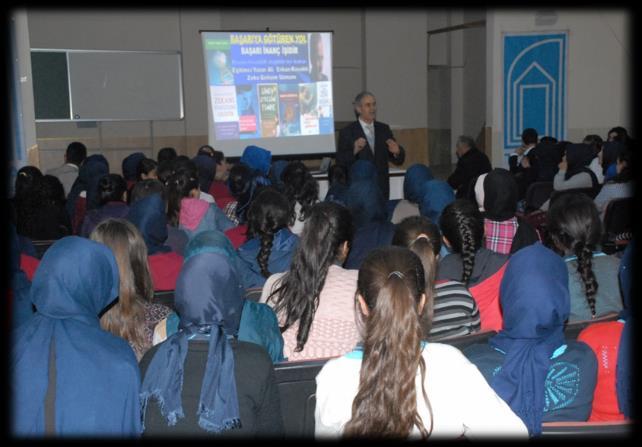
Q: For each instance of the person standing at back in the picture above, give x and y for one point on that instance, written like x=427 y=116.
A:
x=471 y=163
x=368 y=139
x=74 y=156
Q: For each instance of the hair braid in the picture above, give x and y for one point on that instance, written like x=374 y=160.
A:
x=467 y=245
x=266 y=239
x=584 y=268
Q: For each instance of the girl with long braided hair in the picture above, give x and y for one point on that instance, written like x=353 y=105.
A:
x=575 y=229
x=314 y=298
x=270 y=243
x=394 y=385
x=480 y=269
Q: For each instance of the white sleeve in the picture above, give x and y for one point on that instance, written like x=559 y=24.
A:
x=485 y=414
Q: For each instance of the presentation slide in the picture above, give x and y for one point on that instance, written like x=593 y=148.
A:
x=270 y=89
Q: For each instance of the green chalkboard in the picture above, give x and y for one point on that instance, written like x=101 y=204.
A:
x=50 y=85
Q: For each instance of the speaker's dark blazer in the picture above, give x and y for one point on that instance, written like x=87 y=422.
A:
x=352 y=132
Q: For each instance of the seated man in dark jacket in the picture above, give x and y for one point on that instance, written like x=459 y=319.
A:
x=471 y=164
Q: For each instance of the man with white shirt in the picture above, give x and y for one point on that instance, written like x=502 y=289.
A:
x=368 y=139
x=522 y=165
x=74 y=156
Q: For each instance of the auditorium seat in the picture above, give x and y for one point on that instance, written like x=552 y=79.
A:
x=464 y=341
x=618 y=221
x=536 y=194
x=253 y=294
x=587 y=430
x=572 y=330
x=42 y=246
x=297 y=391
x=165 y=297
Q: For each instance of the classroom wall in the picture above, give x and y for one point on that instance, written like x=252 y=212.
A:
x=177 y=30
x=599 y=65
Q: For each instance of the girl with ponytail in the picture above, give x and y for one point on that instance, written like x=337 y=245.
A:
x=453 y=312
x=480 y=269
x=575 y=230
x=314 y=298
x=395 y=386
x=112 y=202
x=270 y=243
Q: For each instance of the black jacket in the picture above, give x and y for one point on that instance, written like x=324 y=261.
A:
x=352 y=132
x=469 y=166
x=259 y=402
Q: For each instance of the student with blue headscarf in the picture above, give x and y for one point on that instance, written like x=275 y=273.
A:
x=130 y=168
x=202 y=380
x=416 y=175
x=259 y=161
x=530 y=365
x=69 y=377
x=149 y=216
x=372 y=228
x=258 y=322
x=19 y=284
x=92 y=169
x=435 y=195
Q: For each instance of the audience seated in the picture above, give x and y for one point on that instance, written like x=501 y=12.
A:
x=480 y=269
x=242 y=187
x=338 y=184
x=25 y=179
x=270 y=243
x=189 y=213
x=610 y=150
x=314 y=299
x=542 y=376
x=619 y=187
x=548 y=153
x=369 y=215
x=147 y=170
x=70 y=377
x=575 y=230
x=276 y=173
x=19 y=300
x=259 y=161
x=166 y=154
x=524 y=163
x=219 y=188
x=112 y=198
x=75 y=155
x=605 y=339
x=130 y=168
x=451 y=310
x=395 y=385
x=206 y=166
x=416 y=175
x=595 y=141
x=302 y=190
x=435 y=196
x=42 y=215
x=134 y=316
x=202 y=381
x=471 y=162
x=148 y=215
x=83 y=195
x=504 y=232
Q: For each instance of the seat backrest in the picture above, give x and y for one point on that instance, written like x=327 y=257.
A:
x=572 y=330
x=464 y=341
x=297 y=389
x=253 y=294
x=614 y=429
x=42 y=246
x=618 y=216
x=165 y=297
x=536 y=194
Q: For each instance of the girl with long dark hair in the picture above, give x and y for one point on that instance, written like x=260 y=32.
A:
x=480 y=269
x=270 y=243
x=112 y=192
x=396 y=386
x=314 y=298
x=575 y=229
x=302 y=190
